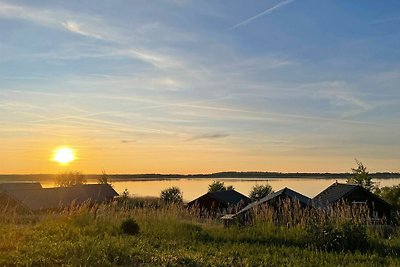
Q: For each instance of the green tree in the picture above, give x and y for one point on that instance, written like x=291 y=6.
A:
x=70 y=179
x=219 y=186
x=361 y=177
x=103 y=178
x=257 y=192
x=172 y=195
x=391 y=195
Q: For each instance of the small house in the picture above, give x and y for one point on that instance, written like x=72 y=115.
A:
x=220 y=202
x=355 y=195
x=37 y=198
x=276 y=201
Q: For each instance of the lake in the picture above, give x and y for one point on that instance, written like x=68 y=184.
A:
x=193 y=188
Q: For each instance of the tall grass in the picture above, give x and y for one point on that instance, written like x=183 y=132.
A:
x=169 y=235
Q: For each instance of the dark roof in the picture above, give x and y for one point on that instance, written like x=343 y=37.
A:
x=338 y=191
x=19 y=186
x=226 y=197
x=283 y=192
x=50 y=198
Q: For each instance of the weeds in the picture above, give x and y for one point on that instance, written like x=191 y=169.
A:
x=169 y=235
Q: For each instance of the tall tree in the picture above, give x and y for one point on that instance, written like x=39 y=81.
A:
x=361 y=176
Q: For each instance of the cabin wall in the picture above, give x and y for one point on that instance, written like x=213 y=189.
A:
x=7 y=203
x=377 y=209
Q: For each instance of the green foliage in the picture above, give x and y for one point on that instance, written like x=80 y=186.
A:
x=361 y=177
x=67 y=179
x=257 y=192
x=170 y=236
x=391 y=195
x=171 y=195
x=103 y=178
x=343 y=236
x=129 y=227
x=219 y=186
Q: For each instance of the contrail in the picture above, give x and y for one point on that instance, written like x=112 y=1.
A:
x=265 y=12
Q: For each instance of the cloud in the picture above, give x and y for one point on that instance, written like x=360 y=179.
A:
x=265 y=12
x=56 y=18
x=385 y=20
x=74 y=27
x=209 y=136
x=127 y=141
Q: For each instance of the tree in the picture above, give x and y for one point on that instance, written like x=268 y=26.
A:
x=391 y=195
x=257 y=192
x=361 y=177
x=70 y=179
x=172 y=195
x=219 y=186
x=103 y=178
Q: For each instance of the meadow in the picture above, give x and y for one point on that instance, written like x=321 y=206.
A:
x=169 y=235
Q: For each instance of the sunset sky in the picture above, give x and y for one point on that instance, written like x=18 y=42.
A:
x=181 y=86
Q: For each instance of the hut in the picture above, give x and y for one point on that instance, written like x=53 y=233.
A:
x=34 y=199
x=355 y=195
x=275 y=201
x=218 y=203
x=19 y=186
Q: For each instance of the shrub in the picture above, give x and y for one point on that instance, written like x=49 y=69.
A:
x=172 y=195
x=219 y=186
x=343 y=236
x=129 y=227
x=67 y=179
x=257 y=192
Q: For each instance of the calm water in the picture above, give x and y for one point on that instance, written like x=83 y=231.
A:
x=193 y=188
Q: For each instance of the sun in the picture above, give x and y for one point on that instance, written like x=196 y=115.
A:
x=64 y=155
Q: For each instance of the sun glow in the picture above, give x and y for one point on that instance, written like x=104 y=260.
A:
x=64 y=155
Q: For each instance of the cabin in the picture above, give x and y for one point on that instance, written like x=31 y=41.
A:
x=33 y=198
x=379 y=210
x=276 y=201
x=19 y=186
x=217 y=203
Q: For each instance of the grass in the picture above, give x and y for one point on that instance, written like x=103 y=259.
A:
x=171 y=236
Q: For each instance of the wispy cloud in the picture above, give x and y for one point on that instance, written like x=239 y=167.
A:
x=265 y=12
x=385 y=20
x=75 y=27
x=209 y=136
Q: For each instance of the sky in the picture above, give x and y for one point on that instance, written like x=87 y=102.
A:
x=180 y=86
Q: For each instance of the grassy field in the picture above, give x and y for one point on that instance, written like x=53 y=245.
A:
x=170 y=236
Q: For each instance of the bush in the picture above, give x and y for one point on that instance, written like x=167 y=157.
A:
x=68 y=179
x=129 y=227
x=171 y=195
x=257 y=192
x=344 y=236
x=219 y=186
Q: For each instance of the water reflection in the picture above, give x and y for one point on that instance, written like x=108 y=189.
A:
x=193 y=188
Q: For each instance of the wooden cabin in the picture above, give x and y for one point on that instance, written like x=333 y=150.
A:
x=355 y=195
x=33 y=198
x=218 y=203
x=276 y=201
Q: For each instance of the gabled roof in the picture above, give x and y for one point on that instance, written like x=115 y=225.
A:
x=19 y=186
x=283 y=192
x=338 y=191
x=50 y=198
x=226 y=197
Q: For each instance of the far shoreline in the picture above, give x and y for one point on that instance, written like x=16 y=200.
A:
x=238 y=176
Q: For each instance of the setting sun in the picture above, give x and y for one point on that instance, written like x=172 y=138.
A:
x=64 y=155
